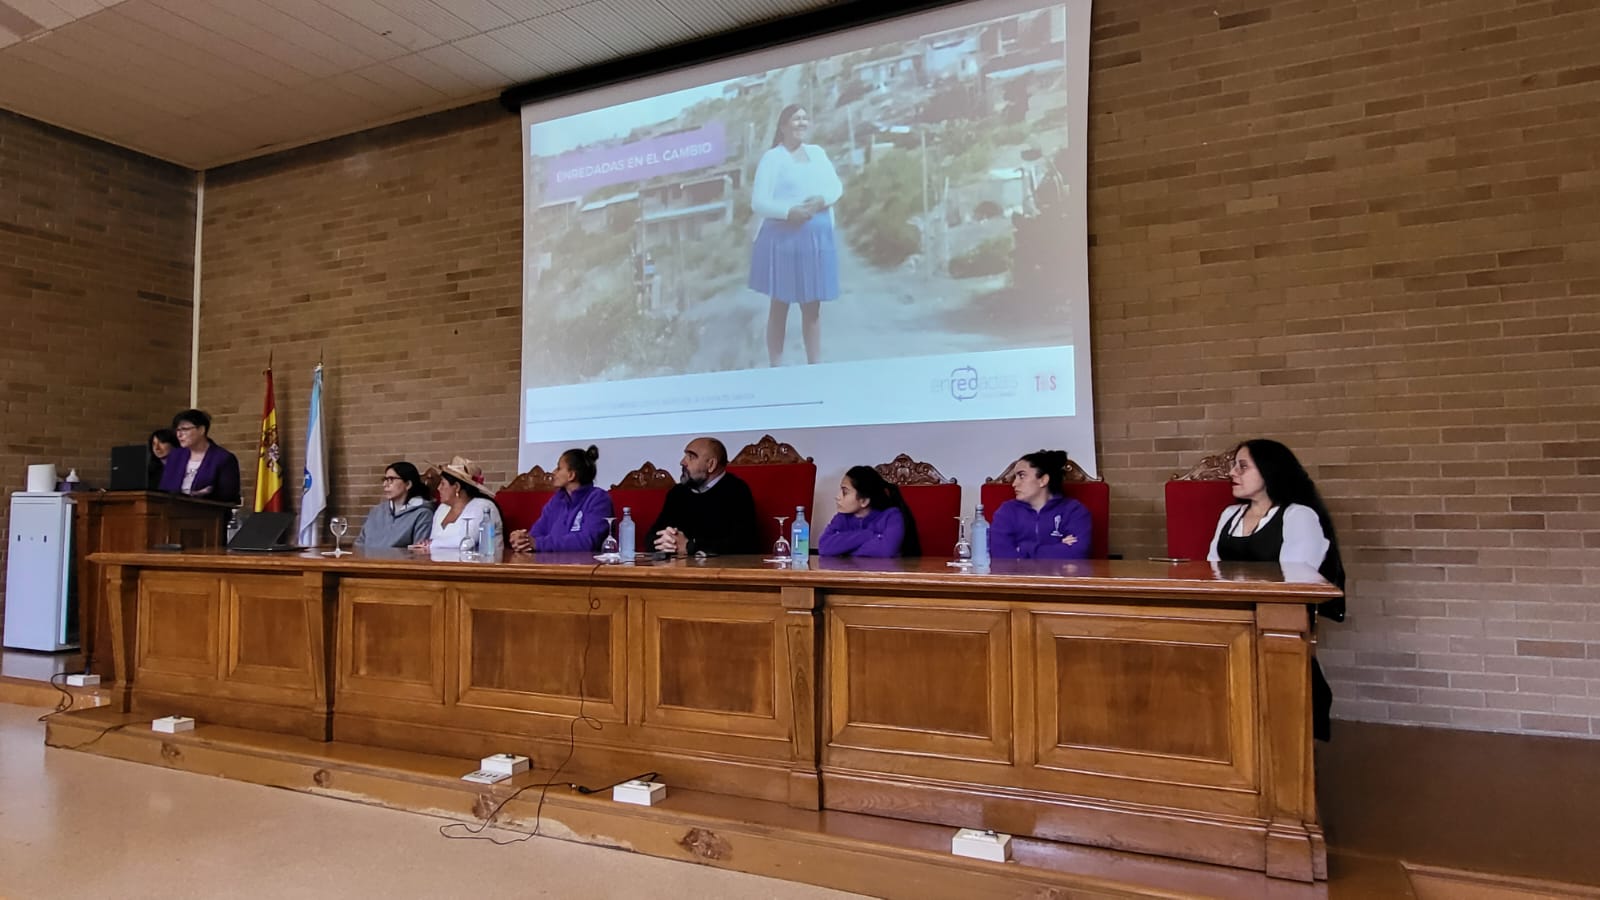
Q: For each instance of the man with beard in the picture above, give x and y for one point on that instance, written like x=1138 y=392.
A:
x=709 y=511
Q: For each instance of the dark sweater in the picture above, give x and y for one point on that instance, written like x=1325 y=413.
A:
x=719 y=521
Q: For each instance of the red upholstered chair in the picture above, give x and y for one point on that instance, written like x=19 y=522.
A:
x=780 y=479
x=933 y=499
x=644 y=492
x=524 y=498
x=1195 y=499
x=1093 y=493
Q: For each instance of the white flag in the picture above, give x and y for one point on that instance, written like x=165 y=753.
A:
x=314 y=496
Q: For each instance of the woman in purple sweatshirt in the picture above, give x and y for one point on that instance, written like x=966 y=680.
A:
x=575 y=518
x=873 y=519
x=1040 y=523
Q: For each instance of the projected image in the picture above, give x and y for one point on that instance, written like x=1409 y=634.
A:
x=906 y=200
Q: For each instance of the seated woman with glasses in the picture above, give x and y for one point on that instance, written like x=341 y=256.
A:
x=405 y=514
x=1040 y=523
x=199 y=467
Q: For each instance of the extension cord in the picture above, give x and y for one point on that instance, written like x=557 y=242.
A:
x=172 y=724
x=82 y=680
x=485 y=777
x=639 y=793
x=976 y=843
x=504 y=763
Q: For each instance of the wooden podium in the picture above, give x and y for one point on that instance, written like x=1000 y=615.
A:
x=132 y=522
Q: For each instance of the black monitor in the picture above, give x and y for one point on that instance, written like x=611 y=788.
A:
x=131 y=469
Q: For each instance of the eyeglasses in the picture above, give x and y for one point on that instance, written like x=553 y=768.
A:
x=184 y=429
x=389 y=478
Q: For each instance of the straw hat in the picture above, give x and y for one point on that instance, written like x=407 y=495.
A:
x=467 y=472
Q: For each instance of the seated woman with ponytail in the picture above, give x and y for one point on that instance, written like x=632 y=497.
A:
x=872 y=520
x=575 y=518
x=1281 y=518
x=1040 y=523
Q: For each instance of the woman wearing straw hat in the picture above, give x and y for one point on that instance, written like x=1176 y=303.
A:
x=464 y=505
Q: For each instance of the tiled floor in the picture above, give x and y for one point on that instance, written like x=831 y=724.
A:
x=73 y=825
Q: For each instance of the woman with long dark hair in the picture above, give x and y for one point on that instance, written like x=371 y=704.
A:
x=795 y=259
x=1042 y=522
x=405 y=514
x=1281 y=518
x=873 y=519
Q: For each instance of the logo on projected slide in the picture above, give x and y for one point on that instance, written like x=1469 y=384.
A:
x=965 y=383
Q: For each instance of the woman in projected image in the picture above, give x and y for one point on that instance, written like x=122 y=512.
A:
x=795 y=258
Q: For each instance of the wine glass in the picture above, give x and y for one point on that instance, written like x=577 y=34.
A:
x=338 y=525
x=963 y=545
x=609 y=547
x=780 y=547
x=469 y=540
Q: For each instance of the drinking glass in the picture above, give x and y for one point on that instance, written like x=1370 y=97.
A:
x=338 y=525
x=469 y=540
x=609 y=547
x=780 y=547
x=963 y=545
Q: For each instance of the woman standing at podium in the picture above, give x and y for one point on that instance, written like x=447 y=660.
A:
x=198 y=467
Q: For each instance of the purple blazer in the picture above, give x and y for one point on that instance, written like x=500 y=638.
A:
x=219 y=470
x=1020 y=533
x=575 y=521
x=878 y=533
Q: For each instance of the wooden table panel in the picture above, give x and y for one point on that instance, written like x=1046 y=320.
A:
x=392 y=640
x=713 y=662
x=180 y=624
x=545 y=651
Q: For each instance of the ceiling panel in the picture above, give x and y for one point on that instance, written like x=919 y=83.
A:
x=207 y=82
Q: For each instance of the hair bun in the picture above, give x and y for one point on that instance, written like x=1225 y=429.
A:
x=592 y=454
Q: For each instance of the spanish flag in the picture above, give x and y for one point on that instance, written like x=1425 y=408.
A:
x=269 y=462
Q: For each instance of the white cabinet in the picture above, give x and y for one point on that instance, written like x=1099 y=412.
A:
x=38 y=573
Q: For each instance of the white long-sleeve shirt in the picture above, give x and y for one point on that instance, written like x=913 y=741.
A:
x=783 y=182
x=1303 y=540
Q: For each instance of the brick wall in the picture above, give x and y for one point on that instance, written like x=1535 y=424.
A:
x=96 y=249
x=1371 y=230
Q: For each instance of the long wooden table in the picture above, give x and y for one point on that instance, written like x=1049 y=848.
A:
x=1161 y=708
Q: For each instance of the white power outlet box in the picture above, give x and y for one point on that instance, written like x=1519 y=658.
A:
x=639 y=793
x=172 y=724
x=504 y=763
x=976 y=843
x=483 y=776
x=82 y=680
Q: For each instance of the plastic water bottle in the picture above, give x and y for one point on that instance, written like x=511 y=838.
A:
x=800 y=534
x=626 y=534
x=980 y=538
x=488 y=541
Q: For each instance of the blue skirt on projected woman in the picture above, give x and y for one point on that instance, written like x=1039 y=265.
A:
x=796 y=263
